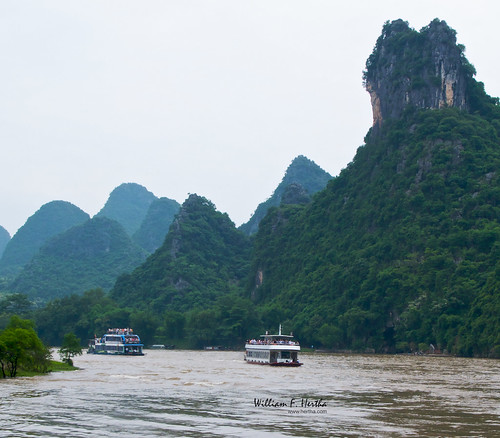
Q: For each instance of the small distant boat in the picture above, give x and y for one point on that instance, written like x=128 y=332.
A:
x=162 y=347
x=117 y=341
x=275 y=350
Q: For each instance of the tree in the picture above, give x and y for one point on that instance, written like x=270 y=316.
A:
x=20 y=347
x=71 y=347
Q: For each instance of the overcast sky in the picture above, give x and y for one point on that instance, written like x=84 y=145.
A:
x=214 y=97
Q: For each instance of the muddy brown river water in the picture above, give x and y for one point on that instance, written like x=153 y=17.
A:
x=216 y=394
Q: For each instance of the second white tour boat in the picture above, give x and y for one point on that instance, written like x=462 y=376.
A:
x=274 y=350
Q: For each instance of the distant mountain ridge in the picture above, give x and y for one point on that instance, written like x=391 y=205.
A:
x=156 y=223
x=87 y=256
x=51 y=255
x=50 y=220
x=128 y=204
x=301 y=172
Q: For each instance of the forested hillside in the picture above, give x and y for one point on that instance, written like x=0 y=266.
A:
x=402 y=248
x=87 y=256
x=203 y=256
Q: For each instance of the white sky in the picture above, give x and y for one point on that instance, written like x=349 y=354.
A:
x=214 y=97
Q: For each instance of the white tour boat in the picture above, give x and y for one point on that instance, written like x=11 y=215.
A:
x=274 y=350
x=117 y=341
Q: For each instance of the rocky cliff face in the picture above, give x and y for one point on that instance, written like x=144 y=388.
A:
x=425 y=69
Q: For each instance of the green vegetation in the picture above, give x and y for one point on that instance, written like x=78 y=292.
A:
x=4 y=239
x=85 y=257
x=21 y=349
x=188 y=293
x=53 y=366
x=399 y=253
x=128 y=204
x=420 y=268
x=302 y=172
x=70 y=347
x=14 y=304
x=202 y=258
x=156 y=224
x=50 y=220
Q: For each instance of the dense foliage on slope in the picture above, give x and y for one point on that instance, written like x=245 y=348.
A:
x=301 y=172
x=51 y=219
x=128 y=204
x=402 y=248
x=156 y=224
x=401 y=251
x=203 y=256
x=22 y=349
x=85 y=257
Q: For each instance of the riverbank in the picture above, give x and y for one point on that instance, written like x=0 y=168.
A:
x=54 y=366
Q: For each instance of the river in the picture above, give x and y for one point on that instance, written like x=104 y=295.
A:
x=217 y=394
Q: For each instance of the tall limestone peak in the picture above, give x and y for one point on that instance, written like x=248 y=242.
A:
x=425 y=69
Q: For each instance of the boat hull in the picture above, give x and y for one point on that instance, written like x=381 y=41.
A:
x=289 y=364
x=115 y=353
x=276 y=364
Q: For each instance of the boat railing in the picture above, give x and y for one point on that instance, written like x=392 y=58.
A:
x=120 y=331
x=271 y=342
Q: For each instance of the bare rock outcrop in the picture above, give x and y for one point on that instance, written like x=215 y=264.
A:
x=425 y=69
